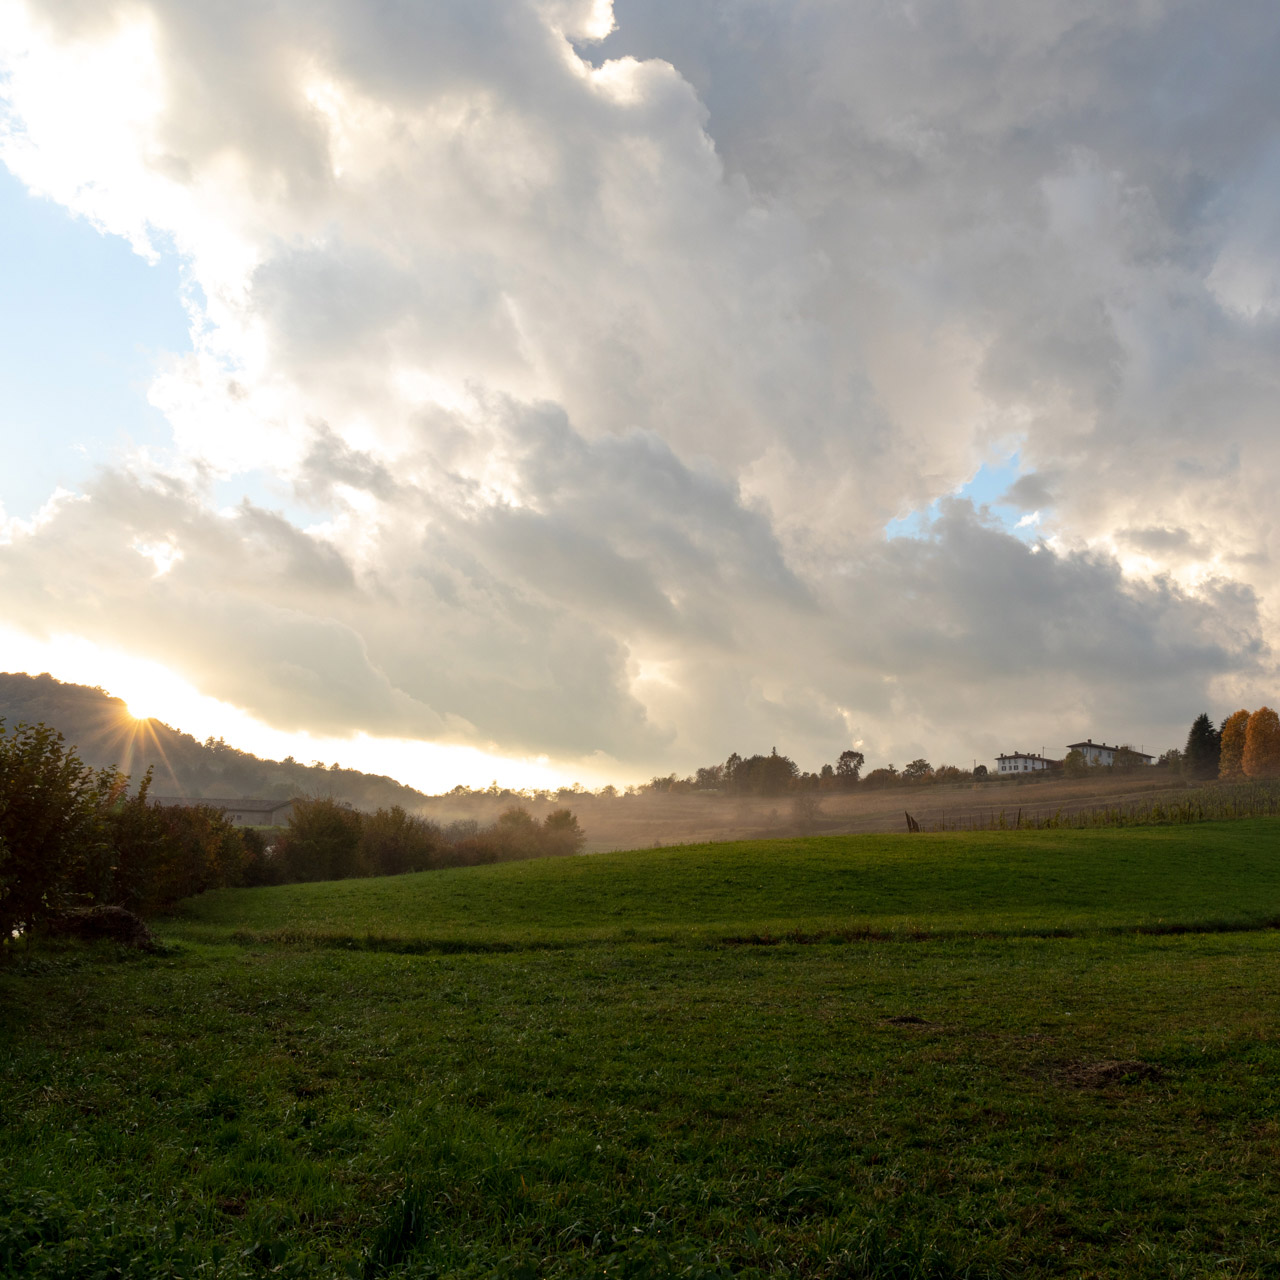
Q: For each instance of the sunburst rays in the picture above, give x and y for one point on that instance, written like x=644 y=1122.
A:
x=138 y=746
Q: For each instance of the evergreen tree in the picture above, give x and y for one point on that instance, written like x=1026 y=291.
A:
x=1200 y=757
x=1231 y=756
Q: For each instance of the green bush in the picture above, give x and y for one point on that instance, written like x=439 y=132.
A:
x=322 y=842
x=562 y=833
x=71 y=835
x=51 y=829
x=393 y=842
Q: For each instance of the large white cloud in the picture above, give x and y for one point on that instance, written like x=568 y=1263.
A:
x=610 y=358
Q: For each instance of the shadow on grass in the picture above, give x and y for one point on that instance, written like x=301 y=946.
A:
x=836 y=937
x=330 y=941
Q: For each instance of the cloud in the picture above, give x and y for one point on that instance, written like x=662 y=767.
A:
x=1030 y=493
x=608 y=339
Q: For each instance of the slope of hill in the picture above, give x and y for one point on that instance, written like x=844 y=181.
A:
x=1008 y=883
x=105 y=735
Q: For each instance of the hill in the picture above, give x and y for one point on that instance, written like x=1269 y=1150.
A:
x=105 y=735
x=1007 y=883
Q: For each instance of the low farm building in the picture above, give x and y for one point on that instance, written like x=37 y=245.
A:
x=239 y=811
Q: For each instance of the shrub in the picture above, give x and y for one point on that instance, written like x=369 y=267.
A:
x=50 y=824
x=261 y=866
x=562 y=833
x=886 y=777
x=393 y=842
x=138 y=835
x=322 y=841
x=1126 y=759
x=806 y=809
x=202 y=849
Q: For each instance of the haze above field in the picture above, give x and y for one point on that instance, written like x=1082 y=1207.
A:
x=572 y=390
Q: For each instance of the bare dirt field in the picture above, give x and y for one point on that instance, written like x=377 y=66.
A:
x=648 y=819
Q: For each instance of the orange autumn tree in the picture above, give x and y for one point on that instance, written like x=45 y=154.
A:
x=1262 y=745
x=1231 y=757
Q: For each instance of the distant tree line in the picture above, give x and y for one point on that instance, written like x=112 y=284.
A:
x=775 y=775
x=73 y=836
x=1245 y=746
x=328 y=840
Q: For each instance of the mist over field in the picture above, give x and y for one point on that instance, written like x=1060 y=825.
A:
x=603 y=387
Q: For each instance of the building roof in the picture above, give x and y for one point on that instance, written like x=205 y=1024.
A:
x=1102 y=746
x=1025 y=755
x=221 y=802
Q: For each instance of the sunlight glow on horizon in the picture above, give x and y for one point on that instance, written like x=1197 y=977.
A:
x=151 y=692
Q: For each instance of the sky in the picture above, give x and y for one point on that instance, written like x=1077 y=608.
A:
x=556 y=390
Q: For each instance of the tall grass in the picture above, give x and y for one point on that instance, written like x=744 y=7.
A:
x=1215 y=802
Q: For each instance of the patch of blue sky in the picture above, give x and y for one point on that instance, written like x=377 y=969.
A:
x=84 y=325
x=269 y=492
x=984 y=488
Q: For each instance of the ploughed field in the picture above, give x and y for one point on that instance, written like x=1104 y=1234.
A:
x=653 y=818
x=999 y=1054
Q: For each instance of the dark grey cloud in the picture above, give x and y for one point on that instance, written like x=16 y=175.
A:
x=1030 y=492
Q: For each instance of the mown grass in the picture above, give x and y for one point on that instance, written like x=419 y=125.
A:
x=1103 y=1104
x=1002 y=882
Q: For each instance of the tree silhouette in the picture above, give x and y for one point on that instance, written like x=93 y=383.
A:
x=849 y=767
x=1204 y=742
x=1262 y=745
x=1231 y=755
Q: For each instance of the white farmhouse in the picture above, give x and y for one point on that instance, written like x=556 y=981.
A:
x=1024 y=762
x=1100 y=753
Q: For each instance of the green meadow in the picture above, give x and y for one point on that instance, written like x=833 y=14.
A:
x=1225 y=875
x=1047 y=1053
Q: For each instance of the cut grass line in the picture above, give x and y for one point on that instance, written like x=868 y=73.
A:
x=304 y=940
x=803 y=937
x=396 y=946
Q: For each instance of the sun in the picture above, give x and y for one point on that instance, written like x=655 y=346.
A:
x=150 y=691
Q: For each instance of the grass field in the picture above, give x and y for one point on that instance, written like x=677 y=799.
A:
x=975 y=1062
x=1001 y=882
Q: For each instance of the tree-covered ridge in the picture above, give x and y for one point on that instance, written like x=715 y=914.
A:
x=106 y=736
